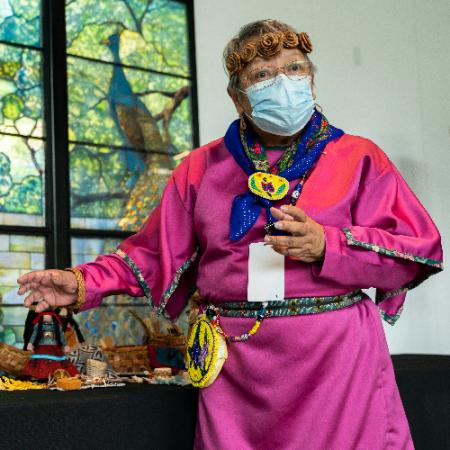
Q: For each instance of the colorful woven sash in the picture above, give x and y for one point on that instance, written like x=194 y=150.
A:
x=290 y=306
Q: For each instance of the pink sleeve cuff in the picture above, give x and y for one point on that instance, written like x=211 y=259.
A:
x=334 y=241
x=108 y=275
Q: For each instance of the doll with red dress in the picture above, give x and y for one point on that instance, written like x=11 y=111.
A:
x=49 y=345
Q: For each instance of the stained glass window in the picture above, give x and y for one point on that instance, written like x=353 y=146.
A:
x=116 y=316
x=20 y=21
x=110 y=319
x=18 y=255
x=22 y=156
x=22 y=162
x=129 y=88
x=129 y=107
x=21 y=181
x=130 y=120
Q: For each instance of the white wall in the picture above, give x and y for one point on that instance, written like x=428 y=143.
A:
x=383 y=73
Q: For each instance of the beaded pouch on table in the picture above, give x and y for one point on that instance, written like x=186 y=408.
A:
x=206 y=352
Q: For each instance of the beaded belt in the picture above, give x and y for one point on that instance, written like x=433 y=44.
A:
x=206 y=348
x=289 y=306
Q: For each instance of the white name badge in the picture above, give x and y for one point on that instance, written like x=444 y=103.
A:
x=265 y=274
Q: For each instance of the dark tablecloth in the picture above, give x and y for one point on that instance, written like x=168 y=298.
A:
x=130 y=417
x=163 y=417
x=424 y=384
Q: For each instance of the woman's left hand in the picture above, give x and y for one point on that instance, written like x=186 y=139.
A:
x=307 y=240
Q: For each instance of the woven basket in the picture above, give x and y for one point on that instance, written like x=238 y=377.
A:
x=12 y=359
x=127 y=360
x=95 y=368
x=168 y=340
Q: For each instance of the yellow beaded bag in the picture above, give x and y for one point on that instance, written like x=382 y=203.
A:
x=206 y=352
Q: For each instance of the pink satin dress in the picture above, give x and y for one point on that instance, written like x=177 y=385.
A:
x=317 y=382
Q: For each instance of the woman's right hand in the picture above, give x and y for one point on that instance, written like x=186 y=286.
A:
x=51 y=288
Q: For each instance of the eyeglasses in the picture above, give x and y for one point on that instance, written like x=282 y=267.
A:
x=292 y=70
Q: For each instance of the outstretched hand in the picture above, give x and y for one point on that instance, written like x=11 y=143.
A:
x=50 y=288
x=307 y=238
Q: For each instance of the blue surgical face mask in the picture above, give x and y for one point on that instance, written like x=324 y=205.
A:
x=281 y=106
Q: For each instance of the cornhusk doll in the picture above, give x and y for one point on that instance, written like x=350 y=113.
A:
x=48 y=344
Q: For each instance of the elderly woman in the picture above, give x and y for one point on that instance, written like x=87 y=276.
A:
x=279 y=224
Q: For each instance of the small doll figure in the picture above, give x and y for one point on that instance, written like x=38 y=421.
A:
x=49 y=345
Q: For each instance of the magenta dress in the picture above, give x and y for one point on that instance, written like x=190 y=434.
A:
x=318 y=382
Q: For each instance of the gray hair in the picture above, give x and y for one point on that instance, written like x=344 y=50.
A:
x=249 y=31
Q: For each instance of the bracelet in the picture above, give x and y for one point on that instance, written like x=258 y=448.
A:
x=81 y=289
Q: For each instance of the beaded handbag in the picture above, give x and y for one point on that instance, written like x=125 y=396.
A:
x=206 y=352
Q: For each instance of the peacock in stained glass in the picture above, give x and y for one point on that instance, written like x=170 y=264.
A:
x=151 y=163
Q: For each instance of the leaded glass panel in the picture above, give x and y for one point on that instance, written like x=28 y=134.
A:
x=117 y=322
x=87 y=249
x=109 y=319
x=126 y=107
x=18 y=255
x=126 y=125
x=148 y=34
x=22 y=160
x=22 y=164
x=20 y=21
x=114 y=317
x=106 y=194
x=21 y=107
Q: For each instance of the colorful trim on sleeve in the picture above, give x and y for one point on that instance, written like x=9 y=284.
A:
x=391 y=252
x=407 y=287
x=435 y=266
x=390 y=319
x=137 y=273
x=171 y=289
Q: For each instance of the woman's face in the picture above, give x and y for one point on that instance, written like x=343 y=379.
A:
x=247 y=76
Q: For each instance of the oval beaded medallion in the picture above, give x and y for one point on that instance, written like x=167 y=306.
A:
x=268 y=185
x=206 y=351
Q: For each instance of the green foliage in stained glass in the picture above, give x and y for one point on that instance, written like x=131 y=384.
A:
x=99 y=184
x=139 y=117
x=21 y=113
x=12 y=106
x=18 y=255
x=8 y=69
x=154 y=34
x=26 y=197
x=5 y=175
x=21 y=177
x=21 y=100
x=117 y=322
x=20 y=21
x=112 y=320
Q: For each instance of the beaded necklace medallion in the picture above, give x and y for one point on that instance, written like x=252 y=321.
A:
x=265 y=182
x=296 y=163
x=258 y=156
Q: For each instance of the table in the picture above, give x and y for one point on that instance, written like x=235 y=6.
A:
x=424 y=384
x=155 y=417
x=131 y=417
